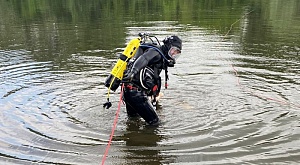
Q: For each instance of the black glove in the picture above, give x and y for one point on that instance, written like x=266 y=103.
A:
x=129 y=76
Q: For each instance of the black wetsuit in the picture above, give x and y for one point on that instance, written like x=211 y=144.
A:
x=137 y=91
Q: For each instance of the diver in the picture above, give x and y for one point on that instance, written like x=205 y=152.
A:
x=142 y=77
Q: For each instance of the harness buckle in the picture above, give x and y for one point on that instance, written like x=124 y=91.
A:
x=130 y=87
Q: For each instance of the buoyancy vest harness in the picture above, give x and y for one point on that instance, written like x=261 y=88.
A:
x=115 y=77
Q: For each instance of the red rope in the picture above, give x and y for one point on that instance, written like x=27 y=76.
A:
x=113 y=128
x=282 y=102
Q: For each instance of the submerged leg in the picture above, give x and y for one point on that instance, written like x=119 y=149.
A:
x=137 y=101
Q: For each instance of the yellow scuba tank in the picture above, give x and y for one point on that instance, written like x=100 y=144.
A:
x=113 y=81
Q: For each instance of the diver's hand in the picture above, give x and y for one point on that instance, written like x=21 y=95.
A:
x=128 y=77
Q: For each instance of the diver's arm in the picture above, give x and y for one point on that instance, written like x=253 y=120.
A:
x=148 y=57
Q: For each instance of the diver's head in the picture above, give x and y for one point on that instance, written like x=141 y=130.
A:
x=173 y=46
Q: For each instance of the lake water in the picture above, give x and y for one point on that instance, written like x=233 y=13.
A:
x=233 y=97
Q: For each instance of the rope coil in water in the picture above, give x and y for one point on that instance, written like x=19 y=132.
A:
x=282 y=102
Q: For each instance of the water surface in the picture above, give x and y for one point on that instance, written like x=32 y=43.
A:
x=233 y=97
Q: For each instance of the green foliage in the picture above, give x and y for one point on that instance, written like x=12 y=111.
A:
x=69 y=26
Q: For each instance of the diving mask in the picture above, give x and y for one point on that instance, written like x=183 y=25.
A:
x=174 y=53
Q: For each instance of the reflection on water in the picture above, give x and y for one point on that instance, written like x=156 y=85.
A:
x=231 y=100
x=141 y=142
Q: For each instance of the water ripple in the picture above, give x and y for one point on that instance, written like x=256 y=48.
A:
x=52 y=113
